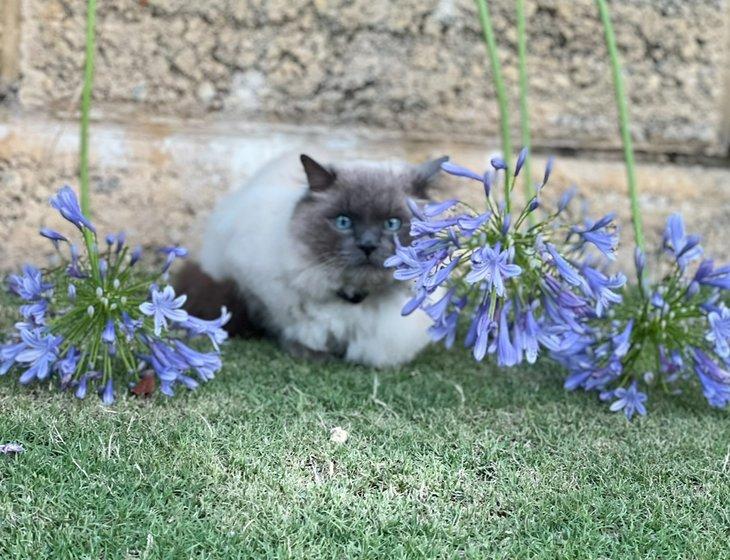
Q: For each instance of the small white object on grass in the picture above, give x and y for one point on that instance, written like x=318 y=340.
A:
x=338 y=435
x=11 y=448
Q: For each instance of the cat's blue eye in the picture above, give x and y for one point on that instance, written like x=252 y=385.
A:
x=343 y=222
x=393 y=224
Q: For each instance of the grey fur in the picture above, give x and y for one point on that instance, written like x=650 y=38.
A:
x=369 y=195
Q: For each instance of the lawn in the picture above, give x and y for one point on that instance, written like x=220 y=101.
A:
x=445 y=458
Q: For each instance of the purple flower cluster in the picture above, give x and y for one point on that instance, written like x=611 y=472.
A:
x=675 y=329
x=518 y=288
x=99 y=319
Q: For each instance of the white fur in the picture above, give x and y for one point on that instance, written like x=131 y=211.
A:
x=248 y=239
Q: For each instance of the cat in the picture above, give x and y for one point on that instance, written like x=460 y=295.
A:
x=298 y=254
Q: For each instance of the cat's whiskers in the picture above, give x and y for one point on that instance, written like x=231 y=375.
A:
x=325 y=265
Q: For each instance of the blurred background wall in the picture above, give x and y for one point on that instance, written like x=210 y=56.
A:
x=190 y=97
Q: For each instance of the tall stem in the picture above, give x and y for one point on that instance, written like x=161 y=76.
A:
x=486 y=21
x=524 y=110
x=84 y=134
x=86 y=106
x=624 y=125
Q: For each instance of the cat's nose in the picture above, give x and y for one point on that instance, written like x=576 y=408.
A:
x=367 y=248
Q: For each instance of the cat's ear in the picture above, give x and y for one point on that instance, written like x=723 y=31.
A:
x=318 y=176
x=425 y=173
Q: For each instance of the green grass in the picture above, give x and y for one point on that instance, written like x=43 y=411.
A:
x=448 y=459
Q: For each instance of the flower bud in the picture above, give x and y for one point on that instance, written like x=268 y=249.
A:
x=498 y=163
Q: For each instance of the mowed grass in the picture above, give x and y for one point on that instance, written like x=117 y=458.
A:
x=445 y=458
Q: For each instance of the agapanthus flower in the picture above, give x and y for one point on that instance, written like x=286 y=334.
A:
x=566 y=198
x=213 y=329
x=602 y=288
x=136 y=255
x=108 y=335
x=8 y=355
x=107 y=394
x=35 y=312
x=96 y=324
x=11 y=448
x=492 y=265
x=685 y=248
x=707 y=275
x=630 y=400
x=206 y=364
x=517 y=286
x=67 y=365
x=40 y=353
x=599 y=235
x=677 y=329
x=164 y=306
x=67 y=204
x=521 y=157
x=29 y=285
x=719 y=332
x=171 y=254
x=53 y=235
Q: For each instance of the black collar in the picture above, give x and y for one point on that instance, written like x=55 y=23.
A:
x=352 y=297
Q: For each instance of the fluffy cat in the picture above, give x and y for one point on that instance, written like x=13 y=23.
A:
x=298 y=253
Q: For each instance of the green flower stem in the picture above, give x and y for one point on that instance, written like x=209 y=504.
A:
x=624 y=124
x=86 y=105
x=486 y=22
x=524 y=109
x=84 y=133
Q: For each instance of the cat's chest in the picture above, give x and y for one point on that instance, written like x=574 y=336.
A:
x=322 y=324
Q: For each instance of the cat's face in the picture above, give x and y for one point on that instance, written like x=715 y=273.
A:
x=351 y=215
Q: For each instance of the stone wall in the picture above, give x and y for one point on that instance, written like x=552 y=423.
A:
x=414 y=66
x=190 y=97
